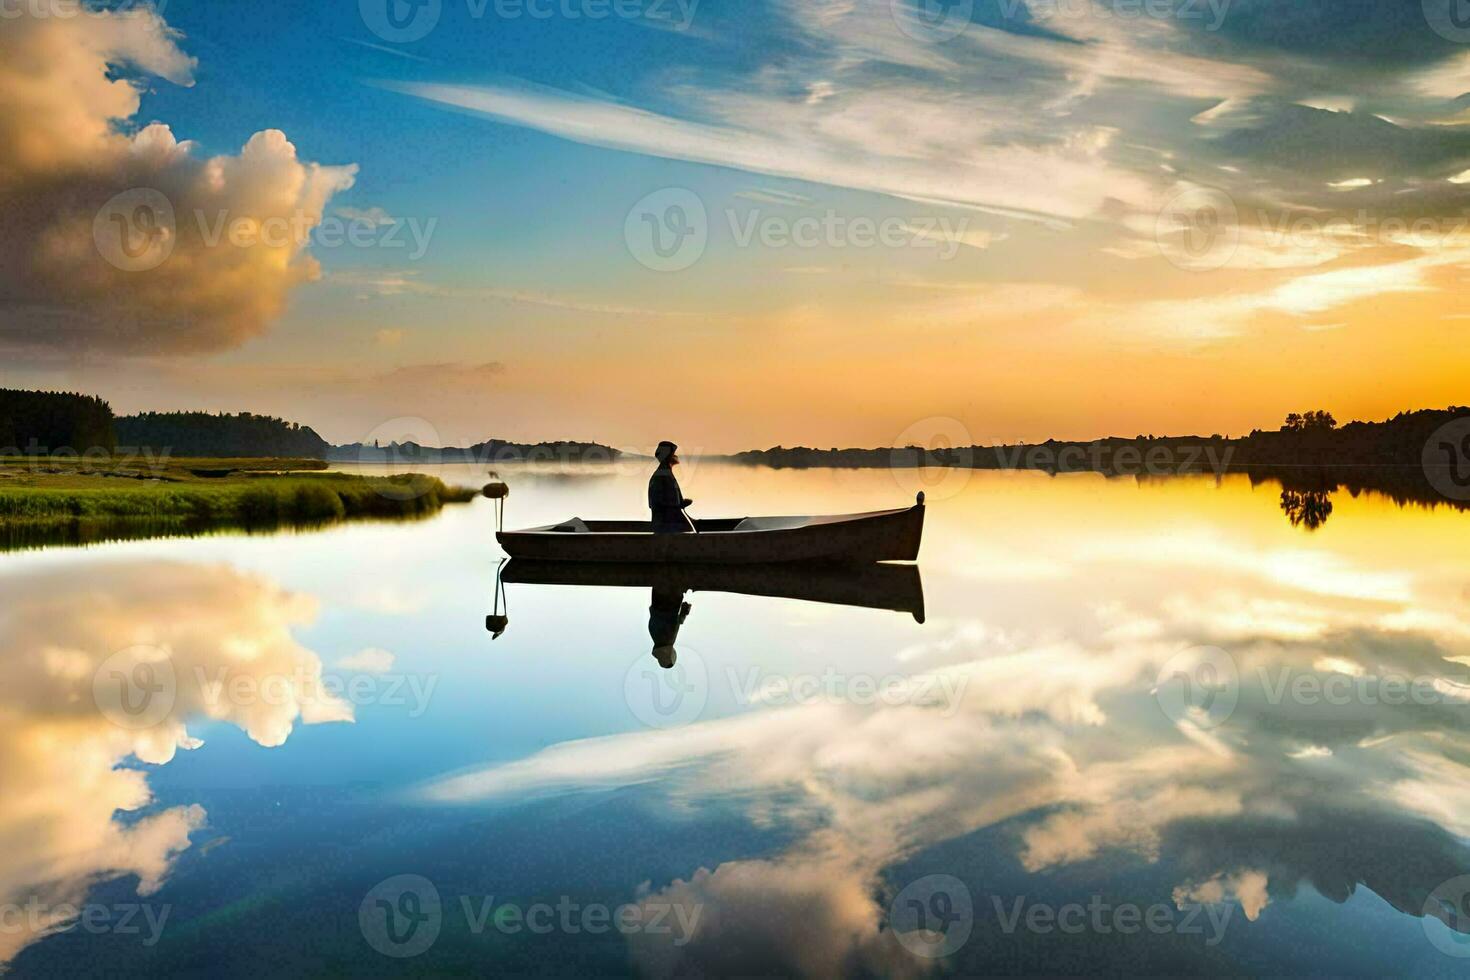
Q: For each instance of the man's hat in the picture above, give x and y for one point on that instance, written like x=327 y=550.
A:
x=665 y=450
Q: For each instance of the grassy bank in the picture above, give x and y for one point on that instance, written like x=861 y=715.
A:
x=189 y=493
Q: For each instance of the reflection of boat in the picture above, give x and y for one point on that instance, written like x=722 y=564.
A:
x=896 y=587
x=885 y=535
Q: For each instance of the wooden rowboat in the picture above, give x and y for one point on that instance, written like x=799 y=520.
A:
x=884 y=535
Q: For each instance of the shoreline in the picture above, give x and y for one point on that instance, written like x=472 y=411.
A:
x=95 y=503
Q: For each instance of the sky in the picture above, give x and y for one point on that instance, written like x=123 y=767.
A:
x=739 y=223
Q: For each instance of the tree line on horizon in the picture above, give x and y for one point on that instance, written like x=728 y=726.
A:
x=44 y=422
x=54 y=423
x=243 y=435
x=1311 y=438
x=47 y=422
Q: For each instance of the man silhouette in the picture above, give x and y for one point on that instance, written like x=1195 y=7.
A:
x=666 y=501
x=666 y=613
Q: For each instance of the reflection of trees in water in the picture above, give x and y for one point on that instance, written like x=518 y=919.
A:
x=1307 y=508
x=1404 y=485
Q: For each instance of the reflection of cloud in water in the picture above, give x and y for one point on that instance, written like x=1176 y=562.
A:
x=811 y=914
x=1059 y=729
x=59 y=782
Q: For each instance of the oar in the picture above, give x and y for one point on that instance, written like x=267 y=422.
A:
x=693 y=526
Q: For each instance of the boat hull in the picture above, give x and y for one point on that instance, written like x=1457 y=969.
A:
x=891 y=535
x=875 y=586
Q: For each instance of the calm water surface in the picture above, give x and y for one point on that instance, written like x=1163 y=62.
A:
x=1143 y=728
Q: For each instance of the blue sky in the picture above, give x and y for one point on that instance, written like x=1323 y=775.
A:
x=996 y=214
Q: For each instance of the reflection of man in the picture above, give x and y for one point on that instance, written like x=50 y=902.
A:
x=665 y=500
x=666 y=613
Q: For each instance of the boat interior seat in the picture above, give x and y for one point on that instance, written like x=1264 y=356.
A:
x=770 y=523
x=574 y=526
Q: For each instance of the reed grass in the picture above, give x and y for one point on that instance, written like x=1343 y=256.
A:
x=247 y=499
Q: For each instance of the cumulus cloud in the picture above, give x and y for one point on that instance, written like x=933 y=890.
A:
x=1248 y=888
x=195 y=633
x=128 y=240
x=813 y=917
x=369 y=661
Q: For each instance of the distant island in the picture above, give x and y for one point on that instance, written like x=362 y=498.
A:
x=1310 y=439
x=491 y=451
x=1310 y=456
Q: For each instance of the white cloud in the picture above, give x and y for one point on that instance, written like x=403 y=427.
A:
x=1058 y=738
x=901 y=141
x=368 y=661
x=64 y=632
x=374 y=216
x=71 y=279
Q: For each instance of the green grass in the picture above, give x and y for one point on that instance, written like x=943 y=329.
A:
x=239 y=498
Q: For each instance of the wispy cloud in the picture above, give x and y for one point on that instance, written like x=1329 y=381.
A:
x=399 y=282
x=941 y=158
x=384 y=49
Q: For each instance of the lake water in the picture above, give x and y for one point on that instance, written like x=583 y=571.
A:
x=1142 y=728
